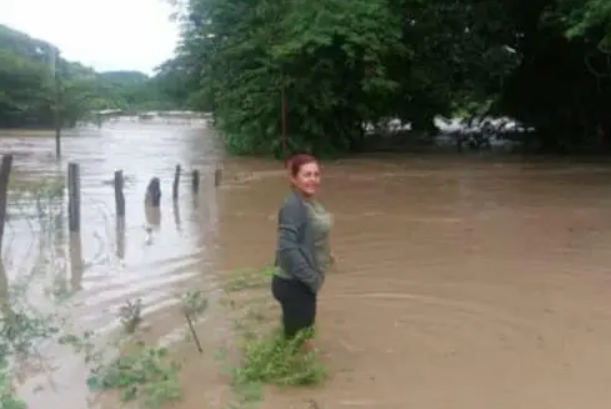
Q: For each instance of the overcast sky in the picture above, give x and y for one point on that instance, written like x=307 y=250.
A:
x=103 y=34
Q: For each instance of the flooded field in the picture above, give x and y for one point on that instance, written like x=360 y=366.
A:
x=462 y=283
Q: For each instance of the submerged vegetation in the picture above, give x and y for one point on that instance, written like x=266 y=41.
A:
x=272 y=359
x=137 y=371
x=142 y=373
x=22 y=326
x=264 y=356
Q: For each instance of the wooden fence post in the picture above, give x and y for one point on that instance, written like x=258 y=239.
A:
x=195 y=181
x=176 y=183
x=119 y=196
x=74 y=198
x=153 y=193
x=5 y=172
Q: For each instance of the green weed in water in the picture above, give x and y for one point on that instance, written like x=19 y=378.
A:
x=268 y=358
x=194 y=304
x=8 y=400
x=272 y=359
x=131 y=315
x=146 y=375
x=19 y=331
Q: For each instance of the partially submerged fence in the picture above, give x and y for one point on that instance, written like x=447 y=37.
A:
x=152 y=194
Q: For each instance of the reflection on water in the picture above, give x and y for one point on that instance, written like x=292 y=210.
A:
x=76 y=261
x=111 y=260
x=120 y=235
x=153 y=222
x=5 y=302
x=176 y=210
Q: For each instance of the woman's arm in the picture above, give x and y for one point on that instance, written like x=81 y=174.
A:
x=290 y=254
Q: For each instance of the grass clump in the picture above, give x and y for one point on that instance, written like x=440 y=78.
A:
x=194 y=304
x=272 y=359
x=130 y=315
x=19 y=332
x=8 y=399
x=145 y=374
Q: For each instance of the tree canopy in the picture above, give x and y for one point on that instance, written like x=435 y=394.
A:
x=28 y=85
x=345 y=63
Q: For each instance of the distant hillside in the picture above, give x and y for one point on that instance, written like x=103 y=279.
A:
x=28 y=50
x=28 y=88
x=25 y=78
x=24 y=45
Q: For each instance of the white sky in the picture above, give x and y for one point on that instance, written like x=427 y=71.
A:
x=103 y=34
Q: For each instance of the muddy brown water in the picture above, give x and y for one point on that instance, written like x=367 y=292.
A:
x=116 y=263
x=462 y=283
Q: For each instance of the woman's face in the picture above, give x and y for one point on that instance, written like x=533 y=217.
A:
x=307 y=179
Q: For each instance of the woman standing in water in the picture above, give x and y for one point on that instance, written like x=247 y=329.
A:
x=303 y=254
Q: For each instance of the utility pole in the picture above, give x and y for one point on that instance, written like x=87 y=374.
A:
x=284 y=120
x=56 y=100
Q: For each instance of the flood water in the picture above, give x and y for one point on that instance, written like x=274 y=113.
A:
x=461 y=282
x=111 y=263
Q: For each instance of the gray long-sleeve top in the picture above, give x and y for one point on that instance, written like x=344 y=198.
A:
x=295 y=253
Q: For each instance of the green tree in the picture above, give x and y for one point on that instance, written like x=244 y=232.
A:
x=345 y=63
x=341 y=63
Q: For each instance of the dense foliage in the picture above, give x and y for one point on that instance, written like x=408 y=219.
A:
x=345 y=63
x=28 y=85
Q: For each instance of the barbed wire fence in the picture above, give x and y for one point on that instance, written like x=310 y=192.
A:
x=36 y=266
x=34 y=221
x=42 y=265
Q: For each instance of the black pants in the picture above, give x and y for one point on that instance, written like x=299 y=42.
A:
x=298 y=305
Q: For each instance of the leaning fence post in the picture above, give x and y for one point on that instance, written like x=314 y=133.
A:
x=74 y=198
x=119 y=196
x=153 y=193
x=176 y=183
x=195 y=181
x=5 y=172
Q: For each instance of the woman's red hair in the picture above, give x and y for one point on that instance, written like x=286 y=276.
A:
x=296 y=161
